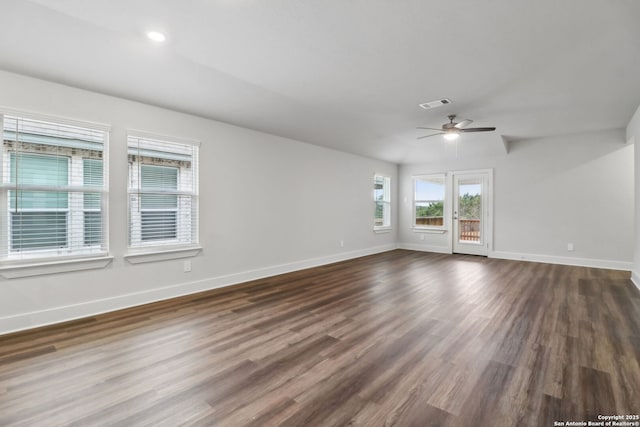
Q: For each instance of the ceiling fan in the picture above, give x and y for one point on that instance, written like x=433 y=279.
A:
x=452 y=130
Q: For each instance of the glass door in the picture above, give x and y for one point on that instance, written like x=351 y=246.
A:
x=470 y=213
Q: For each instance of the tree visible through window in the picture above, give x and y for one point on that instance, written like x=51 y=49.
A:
x=382 y=201
x=470 y=206
x=428 y=201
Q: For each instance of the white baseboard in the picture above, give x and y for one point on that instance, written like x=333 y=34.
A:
x=54 y=315
x=550 y=259
x=635 y=278
x=424 y=248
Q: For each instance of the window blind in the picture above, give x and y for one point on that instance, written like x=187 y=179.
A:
x=53 y=189
x=163 y=192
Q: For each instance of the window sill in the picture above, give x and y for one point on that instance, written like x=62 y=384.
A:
x=429 y=230
x=379 y=230
x=53 y=267
x=162 y=254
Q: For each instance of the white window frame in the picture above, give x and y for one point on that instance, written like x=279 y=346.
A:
x=58 y=260
x=140 y=251
x=441 y=177
x=386 y=211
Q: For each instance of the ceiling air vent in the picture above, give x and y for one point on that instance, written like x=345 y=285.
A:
x=436 y=103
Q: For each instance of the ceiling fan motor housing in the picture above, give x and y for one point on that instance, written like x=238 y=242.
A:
x=451 y=124
x=453 y=129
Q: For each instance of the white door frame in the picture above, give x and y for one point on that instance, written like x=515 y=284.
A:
x=487 y=204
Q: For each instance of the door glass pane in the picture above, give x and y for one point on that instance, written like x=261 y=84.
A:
x=469 y=211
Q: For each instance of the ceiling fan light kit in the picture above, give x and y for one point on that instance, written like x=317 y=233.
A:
x=451 y=135
x=156 y=36
x=452 y=130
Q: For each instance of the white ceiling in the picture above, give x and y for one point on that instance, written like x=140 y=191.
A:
x=347 y=74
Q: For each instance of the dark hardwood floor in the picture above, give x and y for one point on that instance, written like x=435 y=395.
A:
x=401 y=338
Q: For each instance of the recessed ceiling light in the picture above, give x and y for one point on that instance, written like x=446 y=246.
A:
x=156 y=36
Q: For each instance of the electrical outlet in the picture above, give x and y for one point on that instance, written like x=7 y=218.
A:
x=570 y=247
x=342 y=243
x=421 y=236
x=187 y=266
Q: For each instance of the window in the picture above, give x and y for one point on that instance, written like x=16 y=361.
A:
x=38 y=218
x=382 y=202
x=428 y=201
x=159 y=213
x=163 y=192
x=53 y=200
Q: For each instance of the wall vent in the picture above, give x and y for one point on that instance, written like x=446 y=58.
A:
x=436 y=103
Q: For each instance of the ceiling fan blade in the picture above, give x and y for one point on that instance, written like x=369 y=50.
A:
x=419 y=127
x=477 y=130
x=433 y=134
x=463 y=123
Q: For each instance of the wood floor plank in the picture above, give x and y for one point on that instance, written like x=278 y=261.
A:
x=400 y=338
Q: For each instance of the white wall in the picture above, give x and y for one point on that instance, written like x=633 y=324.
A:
x=547 y=193
x=633 y=137
x=309 y=198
